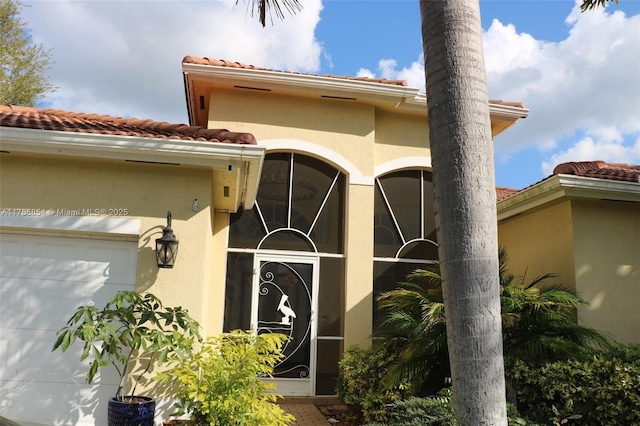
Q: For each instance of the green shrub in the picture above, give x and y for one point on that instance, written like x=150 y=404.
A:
x=435 y=411
x=130 y=327
x=604 y=389
x=360 y=382
x=625 y=353
x=221 y=385
x=538 y=325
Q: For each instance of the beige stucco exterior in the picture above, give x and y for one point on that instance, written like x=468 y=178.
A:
x=345 y=128
x=362 y=129
x=588 y=239
x=355 y=138
x=67 y=187
x=362 y=134
x=540 y=242
x=607 y=265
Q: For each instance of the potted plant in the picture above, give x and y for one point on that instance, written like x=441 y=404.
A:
x=223 y=384
x=131 y=327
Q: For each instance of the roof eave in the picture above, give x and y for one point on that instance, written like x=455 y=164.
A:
x=563 y=186
x=403 y=97
x=497 y=111
x=288 y=80
x=193 y=154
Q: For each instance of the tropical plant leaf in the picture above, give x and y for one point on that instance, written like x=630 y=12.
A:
x=113 y=334
x=538 y=317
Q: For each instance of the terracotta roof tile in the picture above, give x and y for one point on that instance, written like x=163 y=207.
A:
x=591 y=169
x=66 y=121
x=600 y=170
x=231 y=64
x=503 y=192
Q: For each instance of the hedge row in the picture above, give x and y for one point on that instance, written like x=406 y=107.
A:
x=604 y=389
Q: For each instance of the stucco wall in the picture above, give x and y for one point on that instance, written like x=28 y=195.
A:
x=607 y=264
x=341 y=126
x=593 y=245
x=340 y=132
x=401 y=136
x=540 y=242
x=359 y=266
x=361 y=134
x=146 y=191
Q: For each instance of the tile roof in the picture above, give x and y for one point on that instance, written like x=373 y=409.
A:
x=591 y=169
x=231 y=64
x=503 y=192
x=65 y=121
x=600 y=170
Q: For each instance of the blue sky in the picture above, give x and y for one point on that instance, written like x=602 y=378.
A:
x=579 y=74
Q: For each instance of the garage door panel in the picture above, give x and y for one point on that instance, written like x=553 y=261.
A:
x=44 y=280
x=11 y=249
x=66 y=258
x=25 y=350
x=19 y=296
x=35 y=297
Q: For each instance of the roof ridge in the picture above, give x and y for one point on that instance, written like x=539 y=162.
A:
x=578 y=167
x=17 y=108
x=600 y=170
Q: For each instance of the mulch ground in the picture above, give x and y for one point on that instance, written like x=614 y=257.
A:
x=341 y=415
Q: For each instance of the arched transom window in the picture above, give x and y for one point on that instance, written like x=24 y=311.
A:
x=299 y=207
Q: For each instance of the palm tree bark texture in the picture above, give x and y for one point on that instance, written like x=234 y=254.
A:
x=464 y=202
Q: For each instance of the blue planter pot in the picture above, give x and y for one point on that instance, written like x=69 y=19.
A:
x=140 y=412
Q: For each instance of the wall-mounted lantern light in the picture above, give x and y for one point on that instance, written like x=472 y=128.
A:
x=167 y=246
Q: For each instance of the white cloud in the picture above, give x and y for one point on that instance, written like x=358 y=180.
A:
x=364 y=72
x=387 y=68
x=124 y=58
x=587 y=84
x=587 y=149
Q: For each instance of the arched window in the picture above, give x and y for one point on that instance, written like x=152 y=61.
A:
x=299 y=211
x=300 y=207
x=404 y=228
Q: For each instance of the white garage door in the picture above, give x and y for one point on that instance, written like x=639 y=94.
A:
x=43 y=280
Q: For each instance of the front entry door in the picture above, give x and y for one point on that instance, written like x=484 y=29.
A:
x=284 y=301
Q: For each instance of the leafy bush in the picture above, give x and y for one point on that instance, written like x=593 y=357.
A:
x=360 y=382
x=625 y=353
x=538 y=325
x=434 y=411
x=604 y=389
x=221 y=385
x=130 y=327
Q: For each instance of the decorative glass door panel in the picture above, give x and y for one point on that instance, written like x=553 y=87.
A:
x=284 y=301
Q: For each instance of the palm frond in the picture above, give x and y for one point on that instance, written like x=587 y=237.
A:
x=539 y=323
x=592 y=4
x=270 y=7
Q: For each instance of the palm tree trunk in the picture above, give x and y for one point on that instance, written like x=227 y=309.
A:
x=465 y=206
